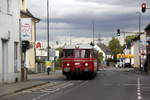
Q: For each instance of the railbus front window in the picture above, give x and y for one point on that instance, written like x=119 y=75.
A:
x=68 y=53
x=85 y=53
x=77 y=53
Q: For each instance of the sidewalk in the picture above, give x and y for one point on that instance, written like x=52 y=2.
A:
x=34 y=80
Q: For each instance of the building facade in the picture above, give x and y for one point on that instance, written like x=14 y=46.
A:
x=147 y=62
x=30 y=62
x=9 y=41
x=104 y=50
x=136 y=53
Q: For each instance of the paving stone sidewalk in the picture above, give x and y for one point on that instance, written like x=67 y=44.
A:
x=34 y=80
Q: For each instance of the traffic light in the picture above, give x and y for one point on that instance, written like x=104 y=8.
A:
x=25 y=45
x=118 y=32
x=143 y=6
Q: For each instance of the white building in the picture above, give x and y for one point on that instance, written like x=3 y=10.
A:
x=28 y=18
x=9 y=41
x=104 y=50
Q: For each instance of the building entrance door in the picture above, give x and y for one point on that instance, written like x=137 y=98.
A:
x=4 y=60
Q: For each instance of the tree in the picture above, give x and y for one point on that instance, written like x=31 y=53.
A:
x=129 y=39
x=59 y=49
x=58 y=59
x=100 y=56
x=115 y=47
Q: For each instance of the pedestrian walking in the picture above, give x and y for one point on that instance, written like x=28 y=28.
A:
x=48 y=70
x=145 y=66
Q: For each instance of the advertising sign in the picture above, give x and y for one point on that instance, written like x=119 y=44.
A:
x=52 y=52
x=26 y=29
x=125 y=56
x=57 y=53
x=39 y=45
x=48 y=63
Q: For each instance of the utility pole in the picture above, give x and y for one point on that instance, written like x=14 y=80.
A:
x=48 y=47
x=93 y=31
x=139 y=21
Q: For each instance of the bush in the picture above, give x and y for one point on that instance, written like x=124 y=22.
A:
x=58 y=62
x=39 y=61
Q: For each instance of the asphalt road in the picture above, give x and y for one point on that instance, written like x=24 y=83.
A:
x=110 y=84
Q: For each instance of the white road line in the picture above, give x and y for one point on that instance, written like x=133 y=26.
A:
x=55 y=89
x=67 y=85
x=139 y=98
x=138 y=91
x=139 y=95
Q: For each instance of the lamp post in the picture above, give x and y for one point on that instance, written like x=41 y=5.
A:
x=48 y=47
x=139 y=14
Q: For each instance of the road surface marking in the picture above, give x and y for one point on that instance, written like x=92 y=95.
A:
x=56 y=88
x=139 y=96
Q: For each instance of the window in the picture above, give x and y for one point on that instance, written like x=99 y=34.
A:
x=15 y=57
x=0 y=5
x=8 y=6
x=69 y=53
x=85 y=53
x=77 y=53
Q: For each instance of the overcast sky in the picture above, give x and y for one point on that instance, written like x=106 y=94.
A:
x=73 y=18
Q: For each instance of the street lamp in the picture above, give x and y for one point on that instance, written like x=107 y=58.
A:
x=48 y=47
x=139 y=14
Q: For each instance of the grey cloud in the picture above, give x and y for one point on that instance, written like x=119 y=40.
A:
x=107 y=21
x=116 y=2
x=83 y=27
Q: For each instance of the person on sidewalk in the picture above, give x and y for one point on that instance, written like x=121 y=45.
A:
x=145 y=66
x=48 y=70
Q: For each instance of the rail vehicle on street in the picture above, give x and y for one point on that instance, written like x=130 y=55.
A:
x=79 y=61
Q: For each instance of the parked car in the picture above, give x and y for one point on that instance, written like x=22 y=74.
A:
x=118 y=64
x=127 y=65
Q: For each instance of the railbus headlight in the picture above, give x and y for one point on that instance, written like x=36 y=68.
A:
x=68 y=64
x=86 y=64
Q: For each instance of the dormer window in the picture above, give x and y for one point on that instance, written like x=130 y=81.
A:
x=23 y=5
x=8 y=6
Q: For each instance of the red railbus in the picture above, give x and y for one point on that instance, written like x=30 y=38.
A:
x=79 y=61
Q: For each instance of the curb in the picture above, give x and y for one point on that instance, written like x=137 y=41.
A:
x=19 y=90
x=34 y=86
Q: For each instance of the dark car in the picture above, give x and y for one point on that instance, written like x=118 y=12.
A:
x=127 y=65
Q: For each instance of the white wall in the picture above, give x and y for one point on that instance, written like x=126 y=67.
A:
x=0 y=61
x=100 y=50
x=136 y=54
x=9 y=30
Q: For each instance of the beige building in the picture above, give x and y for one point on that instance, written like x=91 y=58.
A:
x=30 y=53
x=138 y=49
